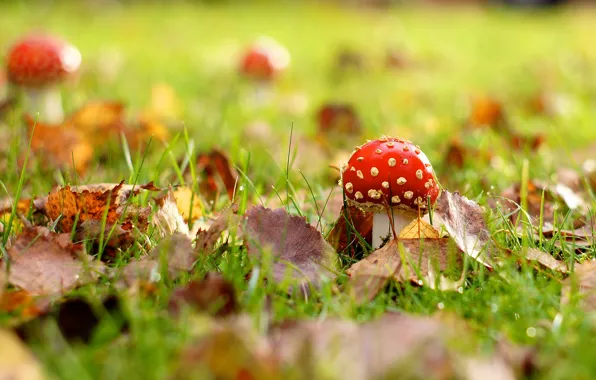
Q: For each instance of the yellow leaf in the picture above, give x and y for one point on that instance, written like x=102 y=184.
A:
x=418 y=229
x=184 y=197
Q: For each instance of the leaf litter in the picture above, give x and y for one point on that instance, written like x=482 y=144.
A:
x=299 y=252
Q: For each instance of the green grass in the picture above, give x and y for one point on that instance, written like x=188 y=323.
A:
x=461 y=52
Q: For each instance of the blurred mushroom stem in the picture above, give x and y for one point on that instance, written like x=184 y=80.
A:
x=47 y=102
x=382 y=224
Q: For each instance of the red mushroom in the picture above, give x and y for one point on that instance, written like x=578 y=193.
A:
x=264 y=60
x=389 y=173
x=36 y=64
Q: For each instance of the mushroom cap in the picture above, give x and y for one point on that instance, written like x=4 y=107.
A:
x=40 y=60
x=389 y=172
x=264 y=59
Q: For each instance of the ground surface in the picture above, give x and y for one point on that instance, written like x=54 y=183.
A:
x=456 y=54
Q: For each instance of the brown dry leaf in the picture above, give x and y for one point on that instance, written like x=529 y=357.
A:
x=206 y=239
x=59 y=146
x=189 y=204
x=147 y=128
x=344 y=236
x=486 y=112
x=99 y=121
x=215 y=167
x=464 y=221
x=68 y=204
x=115 y=237
x=22 y=303
x=393 y=346
x=45 y=263
x=299 y=251
x=213 y=294
x=231 y=350
x=414 y=260
x=457 y=155
x=92 y=202
x=417 y=229
x=581 y=285
x=16 y=361
x=338 y=125
x=172 y=257
x=546 y=260
x=23 y=206
x=168 y=219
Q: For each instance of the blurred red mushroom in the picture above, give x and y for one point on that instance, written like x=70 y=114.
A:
x=389 y=176
x=36 y=64
x=264 y=60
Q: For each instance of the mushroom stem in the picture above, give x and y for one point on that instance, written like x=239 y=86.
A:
x=382 y=225
x=45 y=101
x=262 y=93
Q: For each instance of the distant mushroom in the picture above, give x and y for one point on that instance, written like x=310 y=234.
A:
x=264 y=60
x=389 y=176
x=36 y=64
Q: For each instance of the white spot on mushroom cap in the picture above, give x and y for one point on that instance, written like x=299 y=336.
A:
x=390 y=144
x=408 y=195
x=406 y=148
x=401 y=181
x=344 y=167
x=358 y=195
x=378 y=151
x=374 y=171
x=349 y=187
x=405 y=161
x=374 y=194
x=359 y=174
x=360 y=159
x=352 y=169
x=419 y=174
x=392 y=162
x=395 y=199
x=385 y=184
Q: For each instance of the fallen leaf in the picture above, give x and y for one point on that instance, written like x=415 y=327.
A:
x=393 y=346
x=545 y=259
x=215 y=167
x=189 y=204
x=168 y=219
x=16 y=361
x=351 y=225
x=486 y=112
x=213 y=295
x=114 y=238
x=46 y=263
x=418 y=229
x=464 y=220
x=22 y=303
x=59 y=146
x=99 y=121
x=231 y=350
x=206 y=239
x=338 y=124
x=414 y=260
x=581 y=286
x=85 y=205
x=297 y=248
x=458 y=155
x=172 y=257
x=146 y=128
